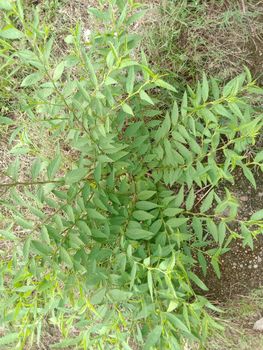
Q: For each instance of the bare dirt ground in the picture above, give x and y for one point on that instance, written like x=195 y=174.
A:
x=241 y=268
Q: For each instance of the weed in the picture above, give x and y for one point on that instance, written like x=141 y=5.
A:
x=104 y=247
x=186 y=37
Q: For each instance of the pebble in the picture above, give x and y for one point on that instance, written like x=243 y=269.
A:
x=258 y=326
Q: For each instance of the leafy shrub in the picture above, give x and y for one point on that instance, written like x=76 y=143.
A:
x=111 y=233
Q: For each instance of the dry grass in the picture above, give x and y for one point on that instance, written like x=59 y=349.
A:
x=239 y=316
x=218 y=37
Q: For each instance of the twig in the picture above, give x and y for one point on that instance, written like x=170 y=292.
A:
x=243 y=6
x=13 y=184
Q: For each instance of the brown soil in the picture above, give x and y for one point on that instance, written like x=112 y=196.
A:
x=241 y=268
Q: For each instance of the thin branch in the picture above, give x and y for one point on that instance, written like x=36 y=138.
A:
x=13 y=184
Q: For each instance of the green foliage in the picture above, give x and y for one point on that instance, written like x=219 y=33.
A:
x=111 y=238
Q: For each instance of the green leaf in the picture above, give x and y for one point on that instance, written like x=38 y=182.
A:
x=66 y=343
x=231 y=87
x=177 y=222
x=221 y=233
x=205 y=88
x=75 y=175
x=257 y=215
x=91 y=70
x=150 y=283
x=146 y=205
x=258 y=158
x=155 y=227
x=165 y=85
x=119 y=295
x=184 y=105
x=133 y=275
x=144 y=195
x=207 y=203
x=98 y=296
x=198 y=228
x=137 y=234
x=172 y=211
x=94 y=214
x=221 y=110
x=58 y=71
x=189 y=203
x=247 y=237
x=11 y=33
x=97 y=172
x=249 y=175
x=214 y=262
x=26 y=247
x=6 y=121
x=236 y=110
x=130 y=80
x=179 y=197
x=212 y=228
x=32 y=79
x=41 y=248
x=6 y=5
x=177 y=323
x=35 y=169
x=8 y=235
x=97 y=13
x=174 y=114
x=9 y=338
x=145 y=97
x=127 y=109
x=122 y=16
x=53 y=167
x=197 y=280
x=25 y=289
x=65 y=257
x=13 y=169
x=153 y=338
x=82 y=225
x=136 y=17
x=44 y=235
x=141 y=215
x=24 y=223
x=110 y=81
x=202 y=262
x=215 y=89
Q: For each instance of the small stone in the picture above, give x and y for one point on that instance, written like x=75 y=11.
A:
x=259 y=259
x=258 y=326
x=244 y=198
x=255 y=266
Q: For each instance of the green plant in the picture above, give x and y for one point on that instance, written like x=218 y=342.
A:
x=105 y=242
